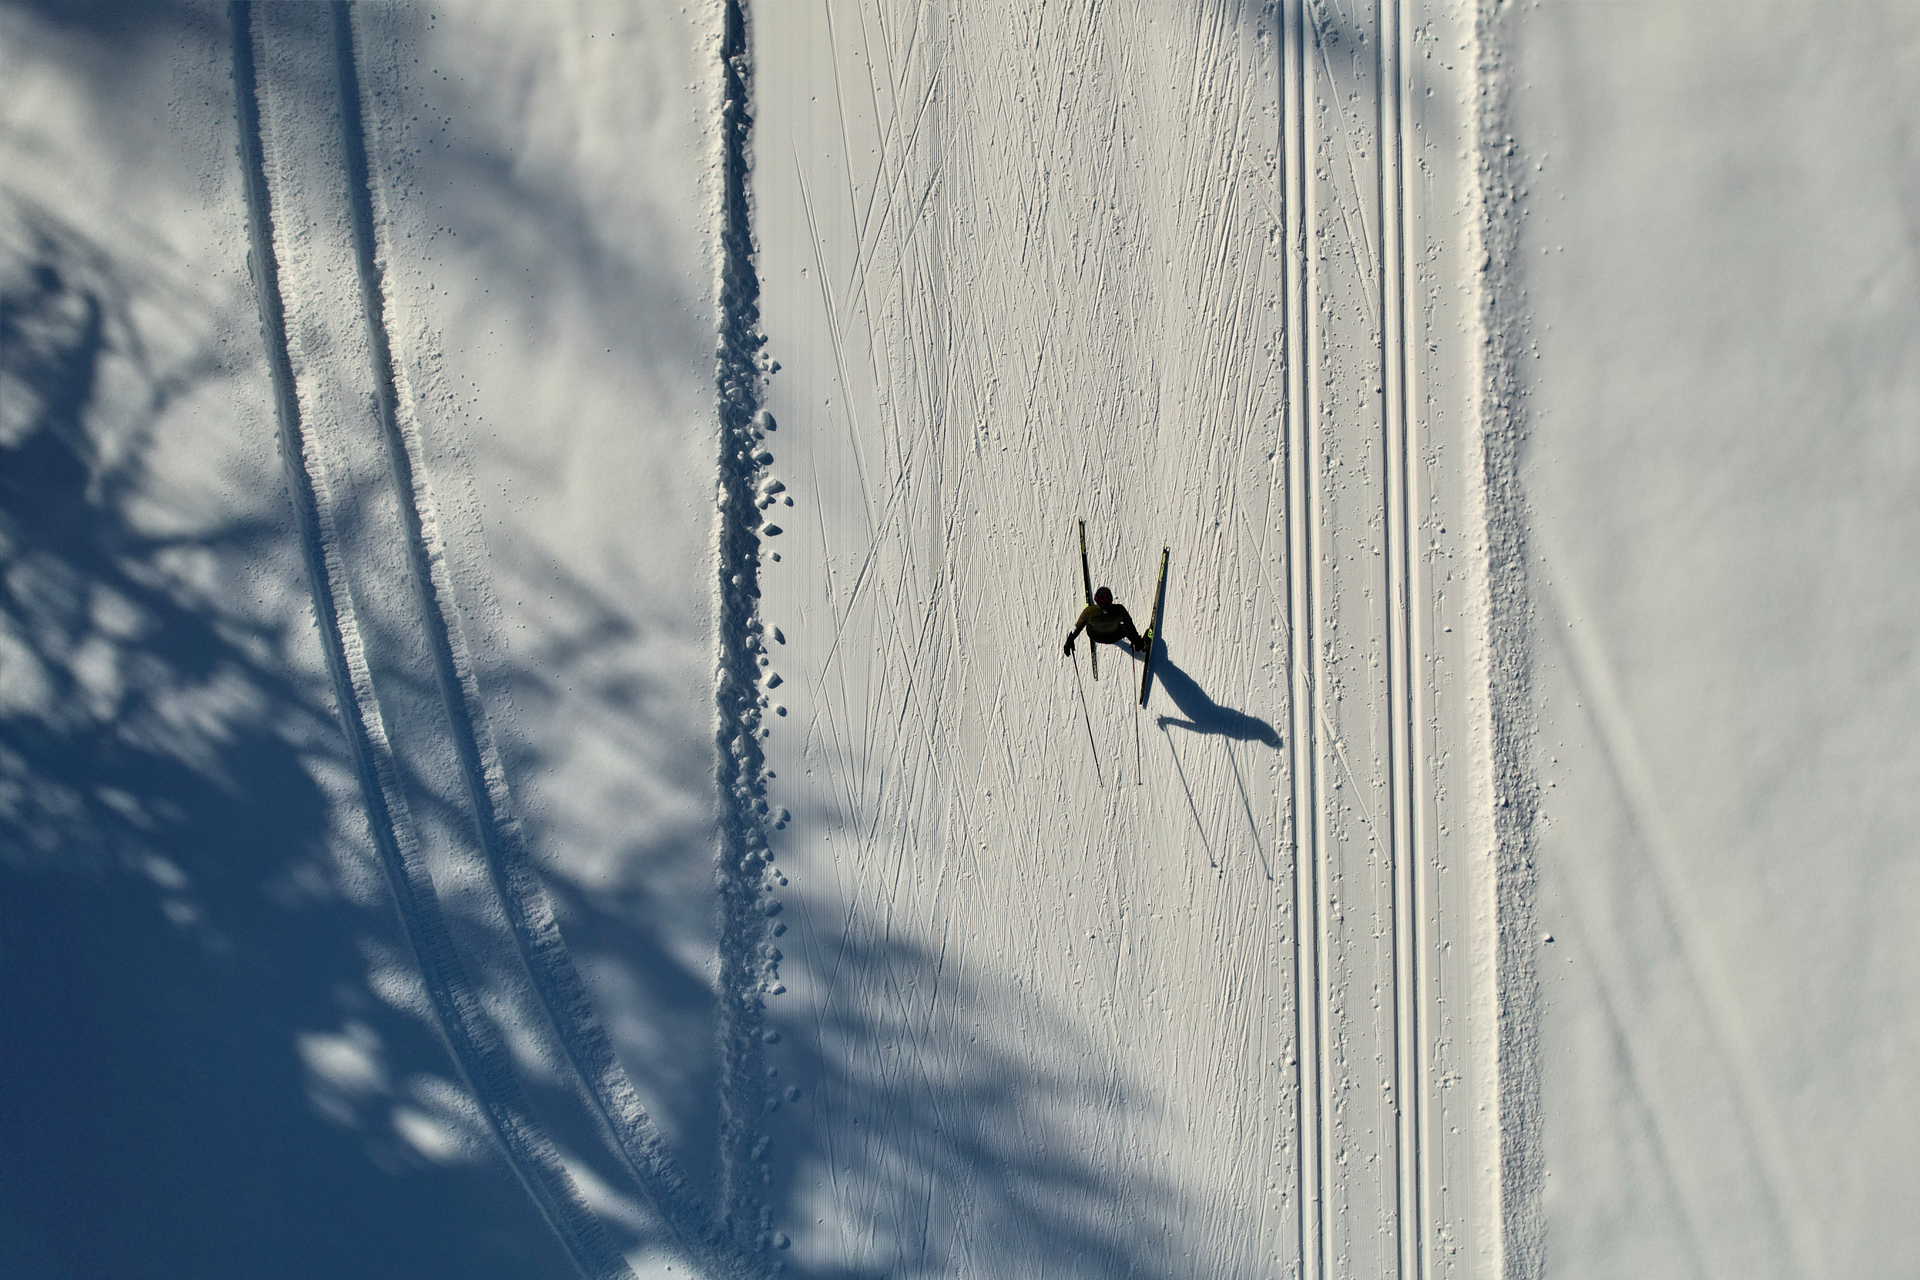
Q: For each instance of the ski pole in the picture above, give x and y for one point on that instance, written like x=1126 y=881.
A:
x=1089 y=715
x=1139 y=775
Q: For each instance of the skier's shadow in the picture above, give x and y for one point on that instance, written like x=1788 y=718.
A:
x=1204 y=715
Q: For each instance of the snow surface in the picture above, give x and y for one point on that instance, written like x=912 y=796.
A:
x=535 y=544
x=1720 y=254
x=991 y=915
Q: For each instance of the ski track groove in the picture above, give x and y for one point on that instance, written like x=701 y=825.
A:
x=1404 y=662
x=523 y=898
x=478 y=1052
x=1359 y=242
x=839 y=344
x=869 y=236
x=1310 y=940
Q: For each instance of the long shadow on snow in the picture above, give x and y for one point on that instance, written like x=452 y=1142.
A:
x=1204 y=715
x=941 y=1150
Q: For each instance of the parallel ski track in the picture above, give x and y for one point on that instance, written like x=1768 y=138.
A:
x=478 y=1052
x=1313 y=733
x=528 y=909
x=1404 y=664
x=1311 y=1068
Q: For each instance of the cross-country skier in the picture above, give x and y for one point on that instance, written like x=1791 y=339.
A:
x=1106 y=623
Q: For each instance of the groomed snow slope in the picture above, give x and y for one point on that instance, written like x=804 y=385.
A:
x=1112 y=989
x=408 y=624
x=1077 y=989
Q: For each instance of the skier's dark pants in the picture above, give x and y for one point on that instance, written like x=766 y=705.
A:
x=1125 y=635
x=1129 y=637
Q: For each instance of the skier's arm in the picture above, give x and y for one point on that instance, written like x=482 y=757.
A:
x=1078 y=627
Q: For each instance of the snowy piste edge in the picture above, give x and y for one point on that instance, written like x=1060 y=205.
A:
x=1512 y=787
x=743 y=861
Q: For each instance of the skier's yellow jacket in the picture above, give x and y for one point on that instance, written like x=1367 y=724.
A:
x=1105 y=624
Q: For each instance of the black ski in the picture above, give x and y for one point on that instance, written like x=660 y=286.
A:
x=1086 y=585
x=1153 y=631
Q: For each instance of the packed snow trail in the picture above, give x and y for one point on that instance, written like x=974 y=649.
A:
x=1207 y=281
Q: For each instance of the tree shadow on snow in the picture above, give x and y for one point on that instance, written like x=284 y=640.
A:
x=940 y=1149
x=201 y=1064
x=214 y=1058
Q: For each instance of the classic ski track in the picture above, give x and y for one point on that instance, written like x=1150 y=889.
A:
x=1387 y=261
x=477 y=1049
x=523 y=898
x=1311 y=1067
x=1404 y=666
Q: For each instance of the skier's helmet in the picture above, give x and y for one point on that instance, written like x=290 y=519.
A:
x=1103 y=597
